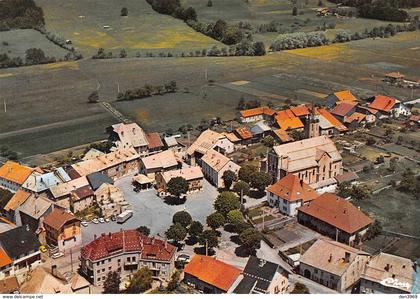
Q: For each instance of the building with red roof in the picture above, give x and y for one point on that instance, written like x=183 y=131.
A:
x=210 y=275
x=335 y=217
x=257 y=114
x=126 y=251
x=289 y=193
x=244 y=134
x=339 y=97
x=343 y=110
x=388 y=107
x=155 y=143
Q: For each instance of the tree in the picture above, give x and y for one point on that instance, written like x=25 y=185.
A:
x=93 y=97
x=228 y=178
x=360 y=192
x=140 y=282
x=144 y=230
x=173 y=283
x=235 y=218
x=112 y=283
x=195 y=229
x=245 y=173
x=177 y=186
x=393 y=164
x=344 y=189
x=294 y=11
x=259 y=49
x=241 y=186
x=320 y=3
x=410 y=183
x=250 y=239
x=124 y=12
x=260 y=180
x=183 y=218
x=208 y=237
x=215 y=220
x=374 y=230
x=300 y=288
x=226 y=202
x=176 y=232
x=123 y=53
x=268 y=141
x=209 y=3
x=35 y=56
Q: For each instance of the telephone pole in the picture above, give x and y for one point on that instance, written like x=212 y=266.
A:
x=5 y=107
x=71 y=259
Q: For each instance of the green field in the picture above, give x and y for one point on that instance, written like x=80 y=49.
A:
x=143 y=29
x=15 y=42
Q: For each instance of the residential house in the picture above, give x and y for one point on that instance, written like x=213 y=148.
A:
x=96 y=180
x=116 y=164
x=260 y=130
x=81 y=199
x=287 y=120
x=344 y=110
x=387 y=274
x=172 y=143
x=257 y=114
x=370 y=114
x=92 y=154
x=315 y=160
x=206 y=141
x=163 y=161
x=193 y=175
x=388 y=107
x=41 y=182
x=332 y=264
x=301 y=111
x=143 y=182
x=14 y=203
x=261 y=277
x=335 y=217
x=6 y=225
x=209 y=275
x=347 y=177
x=13 y=175
x=129 y=136
x=231 y=136
x=33 y=212
x=414 y=121
x=126 y=251
x=281 y=136
x=244 y=134
x=339 y=97
x=110 y=200
x=290 y=193
x=394 y=77
x=155 y=144
x=356 y=120
x=214 y=165
x=62 y=230
x=328 y=124
x=20 y=250
x=62 y=192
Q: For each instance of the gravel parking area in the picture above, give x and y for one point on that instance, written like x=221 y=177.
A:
x=151 y=210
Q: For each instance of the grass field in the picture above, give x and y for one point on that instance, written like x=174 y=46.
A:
x=83 y=22
x=15 y=42
x=51 y=99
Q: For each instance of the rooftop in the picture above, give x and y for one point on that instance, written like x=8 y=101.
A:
x=190 y=173
x=204 y=142
x=290 y=123
x=282 y=135
x=15 y=172
x=331 y=120
x=9 y=285
x=343 y=108
x=58 y=218
x=291 y=188
x=130 y=135
x=337 y=212
x=96 y=179
x=215 y=160
x=65 y=189
x=38 y=182
x=212 y=271
x=301 y=110
x=163 y=159
x=17 y=200
x=36 y=206
x=347 y=176
x=383 y=103
x=345 y=96
x=257 y=111
x=243 y=133
x=19 y=241
x=154 y=140
x=356 y=116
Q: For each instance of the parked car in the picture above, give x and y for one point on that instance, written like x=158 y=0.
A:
x=107 y=219
x=57 y=255
x=84 y=223
x=185 y=258
x=95 y=221
x=113 y=218
x=101 y=220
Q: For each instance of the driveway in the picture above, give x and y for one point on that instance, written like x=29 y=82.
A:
x=151 y=211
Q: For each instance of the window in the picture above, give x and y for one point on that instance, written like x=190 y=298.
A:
x=99 y=271
x=109 y=268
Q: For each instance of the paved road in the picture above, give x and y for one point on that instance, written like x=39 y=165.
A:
x=314 y=288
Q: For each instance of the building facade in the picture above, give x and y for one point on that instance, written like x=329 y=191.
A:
x=214 y=165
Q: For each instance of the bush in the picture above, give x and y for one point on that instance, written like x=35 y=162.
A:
x=299 y=40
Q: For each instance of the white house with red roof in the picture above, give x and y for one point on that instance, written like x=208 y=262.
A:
x=389 y=107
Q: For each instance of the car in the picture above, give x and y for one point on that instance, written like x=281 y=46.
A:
x=84 y=223
x=107 y=219
x=43 y=248
x=185 y=258
x=95 y=221
x=101 y=220
x=113 y=218
x=57 y=255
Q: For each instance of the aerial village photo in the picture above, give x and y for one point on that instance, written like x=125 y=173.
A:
x=197 y=147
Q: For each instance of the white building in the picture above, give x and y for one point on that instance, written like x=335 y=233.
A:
x=214 y=165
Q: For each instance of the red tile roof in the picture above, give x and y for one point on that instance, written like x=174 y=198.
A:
x=291 y=188
x=337 y=212
x=15 y=172
x=285 y=114
x=356 y=116
x=154 y=140
x=83 y=192
x=335 y=122
x=290 y=123
x=212 y=271
x=128 y=241
x=58 y=218
x=244 y=133
x=345 y=96
x=395 y=75
x=282 y=135
x=4 y=258
x=343 y=108
x=300 y=110
x=257 y=111
x=383 y=103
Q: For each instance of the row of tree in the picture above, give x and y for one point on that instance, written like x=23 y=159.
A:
x=20 y=14
x=32 y=56
x=299 y=40
x=147 y=91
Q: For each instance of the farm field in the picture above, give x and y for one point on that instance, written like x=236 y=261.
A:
x=143 y=29
x=14 y=43
x=52 y=99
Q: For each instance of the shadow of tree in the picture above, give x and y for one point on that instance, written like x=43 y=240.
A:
x=235 y=239
x=202 y=251
x=175 y=201
x=256 y=194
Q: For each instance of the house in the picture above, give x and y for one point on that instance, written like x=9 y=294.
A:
x=15 y=202
x=129 y=136
x=281 y=136
x=172 y=143
x=193 y=175
x=116 y=164
x=126 y=251
x=290 y=193
x=244 y=134
x=155 y=143
x=91 y=154
x=370 y=114
x=344 y=110
x=394 y=77
x=13 y=175
x=6 y=225
x=338 y=97
x=33 y=212
x=301 y=111
x=388 y=107
x=206 y=141
x=356 y=120
x=163 y=161
x=387 y=274
x=261 y=277
x=214 y=165
x=328 y=124
x=233 y=138
x=335 y=217
x=62 y=192
x=260 y=130
x=347 y=177
x=62 y=230
x=315 y=160
x=20 y=250
x=110 y=200
x=210 y=275
x=96 y=180
x=332 y=264
x=257 y=114
x=287 y=120
x=143 y=182
x=81 y=199
x=9 y=285
x=41 y=182
x=414 y=121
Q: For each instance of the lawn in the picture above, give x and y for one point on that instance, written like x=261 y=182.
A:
x=83 y=22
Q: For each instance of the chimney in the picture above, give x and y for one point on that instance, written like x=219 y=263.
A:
x=301 y=183
x=347 y=257
x=387 y=267
x=330 y=258
x=53 y=270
